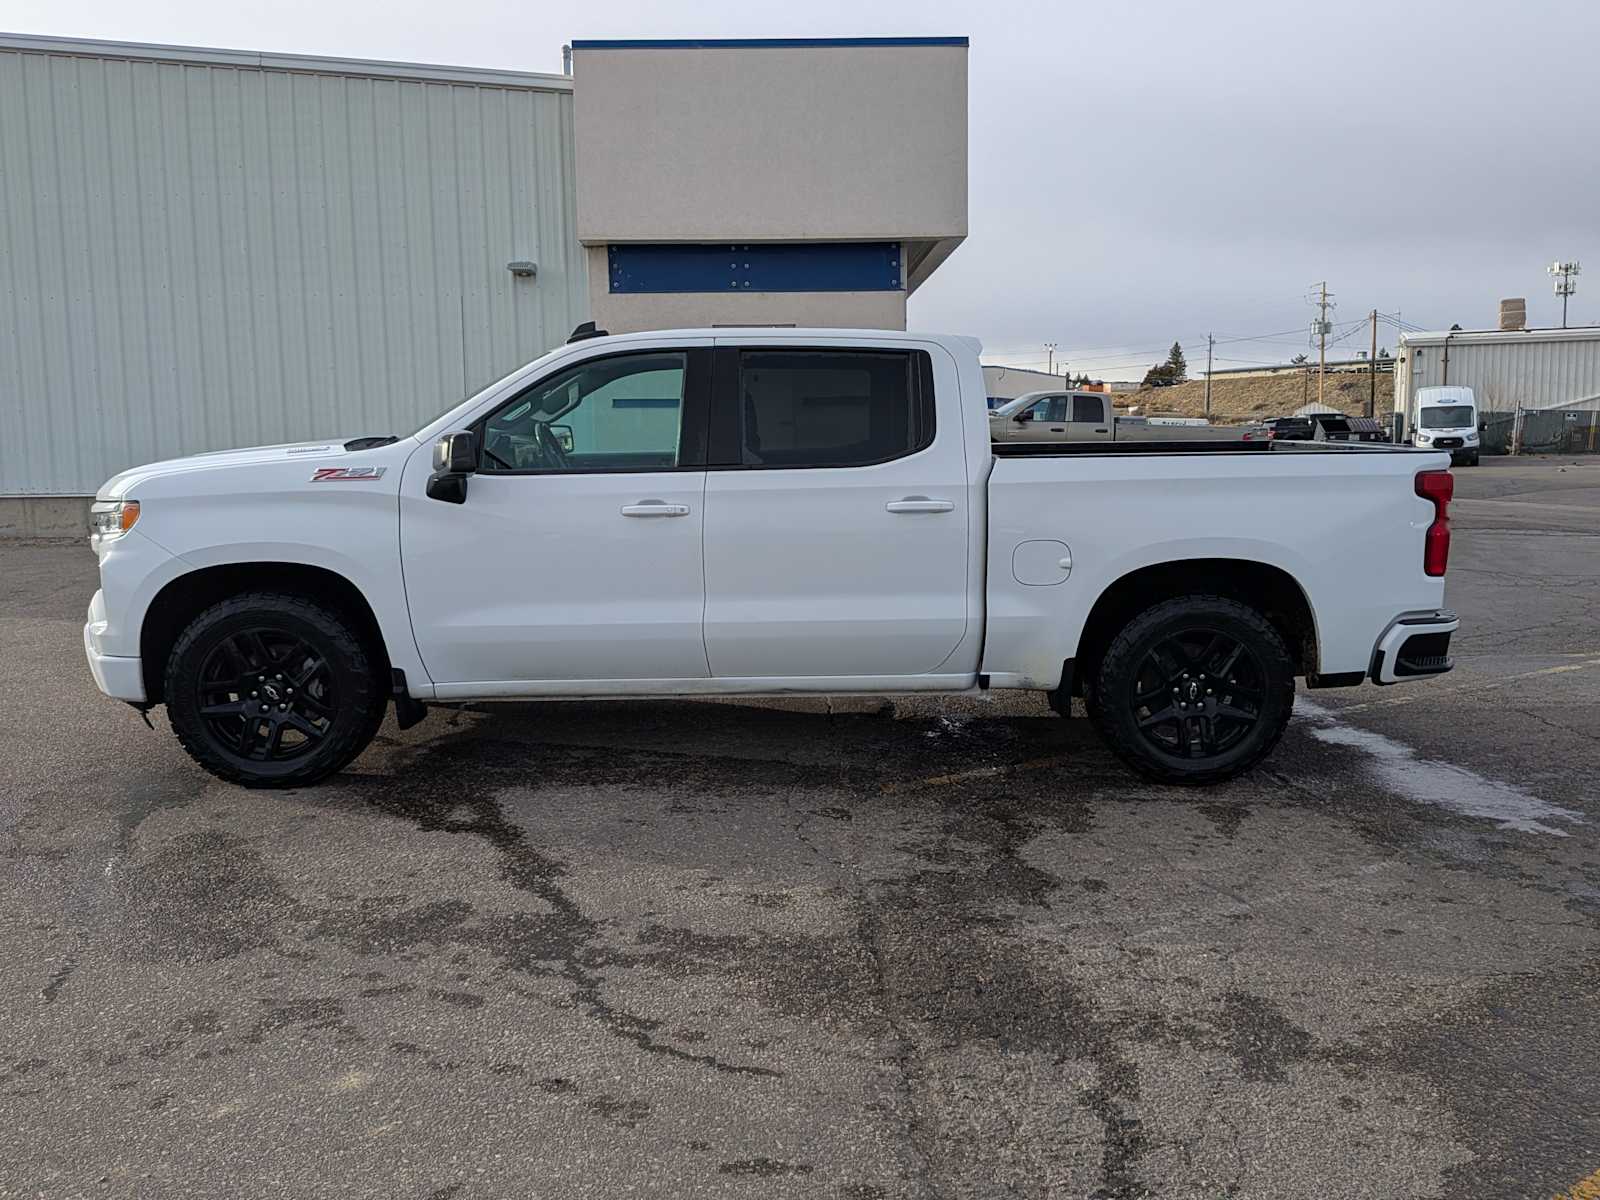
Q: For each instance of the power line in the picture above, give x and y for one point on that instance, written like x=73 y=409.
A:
x=1096 y=357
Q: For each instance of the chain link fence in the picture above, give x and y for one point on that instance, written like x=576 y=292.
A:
x=1542 y=431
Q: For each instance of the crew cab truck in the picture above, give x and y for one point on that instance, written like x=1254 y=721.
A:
x=1088 y=417
x=759 y=512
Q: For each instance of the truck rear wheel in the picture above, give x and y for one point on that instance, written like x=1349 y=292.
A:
x=270 y=690
x=1194 y=690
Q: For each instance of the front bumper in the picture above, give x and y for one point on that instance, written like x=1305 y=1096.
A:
x=1414 y=646
x=118 y=677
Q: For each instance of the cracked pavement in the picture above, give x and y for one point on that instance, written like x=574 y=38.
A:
x=863 y=950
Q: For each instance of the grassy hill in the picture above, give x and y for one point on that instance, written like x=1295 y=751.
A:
x=1255 y=397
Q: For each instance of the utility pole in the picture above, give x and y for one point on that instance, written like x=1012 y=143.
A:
x=1210 y=342
x=1372 y=369
x=1322 y=338
x=1050 y=358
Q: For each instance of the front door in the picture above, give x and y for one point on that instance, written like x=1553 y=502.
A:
x=836 y=514
x=1048 y=420
x=576 y=556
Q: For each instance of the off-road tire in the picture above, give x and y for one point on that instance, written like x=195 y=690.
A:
x=1116 y=681
x=353 y=671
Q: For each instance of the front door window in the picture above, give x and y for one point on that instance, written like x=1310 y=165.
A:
x=611 y=414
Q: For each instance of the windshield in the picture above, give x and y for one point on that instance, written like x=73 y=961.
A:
x=1010 y=408
x=1445 y=416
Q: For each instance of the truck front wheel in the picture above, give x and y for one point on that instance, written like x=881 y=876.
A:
x=1194 y=690
x=270 y=690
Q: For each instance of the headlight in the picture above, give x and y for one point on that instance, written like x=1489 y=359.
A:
x=112 y=518
x=1472 y=437
x=1423 y=439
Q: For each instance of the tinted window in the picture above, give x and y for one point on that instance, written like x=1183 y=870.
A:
x=832 y=408
x=1087 y=408
x=607 y=414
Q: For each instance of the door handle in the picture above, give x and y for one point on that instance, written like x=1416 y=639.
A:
x=919 y=504
x=1058 y=429
x=655 y=508
x=1102 y=431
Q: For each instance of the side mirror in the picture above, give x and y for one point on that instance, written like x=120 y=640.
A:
x=563 y=436
x=455 y=456
x=1483 y=427
x=1023 y=417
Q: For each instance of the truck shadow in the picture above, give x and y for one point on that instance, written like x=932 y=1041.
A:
x=725 y=747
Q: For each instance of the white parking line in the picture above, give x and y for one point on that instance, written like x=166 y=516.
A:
x=1493 y=685
x=1442 y=784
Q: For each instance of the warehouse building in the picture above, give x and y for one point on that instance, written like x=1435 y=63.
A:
x=1546 y=371
x=202 y=249
x=1007 y=383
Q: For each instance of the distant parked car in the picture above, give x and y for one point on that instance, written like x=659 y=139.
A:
x=1291 y=429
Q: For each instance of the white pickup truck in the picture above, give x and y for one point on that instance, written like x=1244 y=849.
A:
x=759 y=512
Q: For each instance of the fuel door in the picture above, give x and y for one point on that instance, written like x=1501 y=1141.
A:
x=1041 y=562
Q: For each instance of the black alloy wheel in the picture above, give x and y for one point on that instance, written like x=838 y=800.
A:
x=1194 y=690
x=274 y=690
x=1198 y=693
x=267 y=694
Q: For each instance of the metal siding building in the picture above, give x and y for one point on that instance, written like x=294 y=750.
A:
x=207 y=249
x=1532 y=368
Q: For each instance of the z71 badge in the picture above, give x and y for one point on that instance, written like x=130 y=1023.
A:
x=346 y=474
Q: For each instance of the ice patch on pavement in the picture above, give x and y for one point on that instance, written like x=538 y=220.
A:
x=1445 y=785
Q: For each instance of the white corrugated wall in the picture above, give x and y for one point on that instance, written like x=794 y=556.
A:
x=1504 y=372
x=196 y=255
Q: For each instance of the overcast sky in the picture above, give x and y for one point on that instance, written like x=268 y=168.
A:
x=1141 y=171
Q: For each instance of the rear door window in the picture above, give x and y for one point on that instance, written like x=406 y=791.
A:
x=1088 y=408
x=832 y=408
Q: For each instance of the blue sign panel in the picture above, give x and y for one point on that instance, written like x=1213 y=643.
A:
x=756 y=267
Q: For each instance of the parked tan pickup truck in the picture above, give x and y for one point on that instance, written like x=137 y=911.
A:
x=1087 y=417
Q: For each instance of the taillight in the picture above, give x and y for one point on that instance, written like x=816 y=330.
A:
x=1437 y=486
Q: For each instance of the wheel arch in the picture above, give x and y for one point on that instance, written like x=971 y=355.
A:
x=182 y=599
x=1269 y=589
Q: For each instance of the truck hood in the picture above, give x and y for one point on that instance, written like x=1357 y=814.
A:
x=120 y=484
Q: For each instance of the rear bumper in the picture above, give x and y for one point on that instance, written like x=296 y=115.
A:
x=1414 y=646
x=118 y=677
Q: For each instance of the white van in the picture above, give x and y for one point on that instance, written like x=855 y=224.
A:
x=1447 y=419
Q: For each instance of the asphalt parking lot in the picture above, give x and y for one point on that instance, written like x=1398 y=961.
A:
x=863 y=951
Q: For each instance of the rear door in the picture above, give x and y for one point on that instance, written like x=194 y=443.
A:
x=836 y=514
x=1091 y=418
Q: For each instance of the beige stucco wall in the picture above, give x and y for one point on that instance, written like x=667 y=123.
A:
x=1008 y=383
x=633 y=311
x=771 y=144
